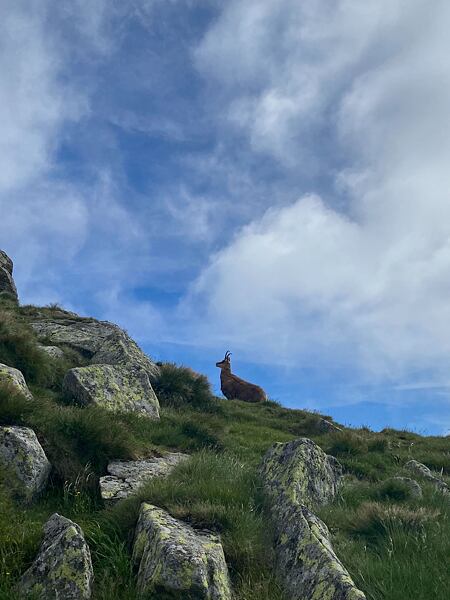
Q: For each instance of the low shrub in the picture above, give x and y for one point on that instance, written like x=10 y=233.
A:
x=179 y=386
x=393 y=490
x=346 y=443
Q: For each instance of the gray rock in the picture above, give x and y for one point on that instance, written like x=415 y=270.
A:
x=62 y=569
x=126 y=477
x=14 y=377
x=100 y=341
x=325 y=426
x=297 y=476
x=173 y=557
x=52 y=351
x=7 y=284
x=117 y=388
x=422 y=470
x=302 y=471
x=21 y=452
x=412 y=485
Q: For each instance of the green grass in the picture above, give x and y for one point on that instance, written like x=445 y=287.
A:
x=395 y=546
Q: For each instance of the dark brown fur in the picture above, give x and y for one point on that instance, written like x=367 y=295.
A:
x=234 y=387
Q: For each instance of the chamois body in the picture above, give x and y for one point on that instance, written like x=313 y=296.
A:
x=234 y=387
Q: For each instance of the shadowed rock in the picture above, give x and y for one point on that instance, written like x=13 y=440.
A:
x=297 y=476
x=412 y=485
x=15 y=379
x=172 y=557
x=423 y=471
x=63 y=567
x=21 y=452
x=7 y=284
x=126 y=477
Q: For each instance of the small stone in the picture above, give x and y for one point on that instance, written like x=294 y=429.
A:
x=116 y=388
x=126 y=477
x=173 y=557
x=63 y=567
x=21 y=452
x=14 y=377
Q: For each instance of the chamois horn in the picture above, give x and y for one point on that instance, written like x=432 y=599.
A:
x=227 y=355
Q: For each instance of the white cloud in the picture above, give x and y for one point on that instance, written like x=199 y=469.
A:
x=369 y=288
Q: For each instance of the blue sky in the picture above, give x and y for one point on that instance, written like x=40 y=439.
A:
x=269 y=177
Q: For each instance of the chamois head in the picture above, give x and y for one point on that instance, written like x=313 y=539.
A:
x=226 y=362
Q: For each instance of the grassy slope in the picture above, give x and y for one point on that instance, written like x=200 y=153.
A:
x=394 y=546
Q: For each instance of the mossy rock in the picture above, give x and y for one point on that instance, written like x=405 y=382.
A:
x=14 y=377
x=63 y=567
x=22 y=454
x=116 y=388
x=172 y=557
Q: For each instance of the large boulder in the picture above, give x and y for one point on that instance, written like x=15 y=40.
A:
x=63 y=567
x=297 y=477
x=99 y=341
x=21 y=452
x=174 y=558
x=15 y=379
x=117 y=388
x=422 y=470
x=126 y=477
x=7 y=284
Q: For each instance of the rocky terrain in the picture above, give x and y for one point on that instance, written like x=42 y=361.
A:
x=123 y=478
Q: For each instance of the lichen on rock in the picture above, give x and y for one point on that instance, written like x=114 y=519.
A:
x=126 y=477
x=53 y=351
x=14 y=378
x=173 y=557
x=22 y=454
x=298 y=476
x=63 y=567
x=116 y=388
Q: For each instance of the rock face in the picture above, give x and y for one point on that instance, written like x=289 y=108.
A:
x=7 y=284
x=297 y=476
x=52 y=351
x=126 y=477
x=113 y=387
x=14 y=378
x=423 y=471
x=21 y=451
x=100 y=341
x=63 y=567
x=173 y=557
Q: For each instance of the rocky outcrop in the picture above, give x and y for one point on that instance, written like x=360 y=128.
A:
x=113 y=387
x=119 y=374
x=63 y=567
x=298 y=476
x=422 y=470
x=7 y=285
x=21 y=452
x=100 y=341
x=52 y=351
x=172 y=557
x=126 y=477
x=15 y=379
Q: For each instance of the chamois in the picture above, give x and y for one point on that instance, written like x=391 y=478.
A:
x=234 y=387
